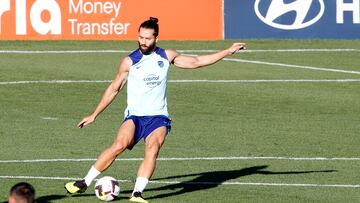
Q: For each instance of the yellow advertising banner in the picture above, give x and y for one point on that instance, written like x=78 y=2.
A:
x=109 y=19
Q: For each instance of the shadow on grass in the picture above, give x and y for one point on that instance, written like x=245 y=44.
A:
x=51 y=198
x=47 y=199
x=208 y=180
x=201 y=181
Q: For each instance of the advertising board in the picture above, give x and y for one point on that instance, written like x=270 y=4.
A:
x=293 y=19
x=108 y=19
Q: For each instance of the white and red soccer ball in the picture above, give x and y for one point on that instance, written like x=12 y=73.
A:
x=107 y=188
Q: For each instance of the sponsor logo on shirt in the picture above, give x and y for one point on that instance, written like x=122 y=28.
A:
x=152 y=80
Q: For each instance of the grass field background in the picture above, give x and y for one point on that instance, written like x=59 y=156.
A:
x=265 y=113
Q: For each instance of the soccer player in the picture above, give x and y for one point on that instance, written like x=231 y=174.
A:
x=146 y=116
x=22 y=193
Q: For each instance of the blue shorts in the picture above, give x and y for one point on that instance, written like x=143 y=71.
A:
x=145 y=125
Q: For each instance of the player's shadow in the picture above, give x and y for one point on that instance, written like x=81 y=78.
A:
x=208 y=180
x=47 y=198
x=51 y=198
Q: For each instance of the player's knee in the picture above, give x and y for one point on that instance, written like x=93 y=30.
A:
x=152 y=149
x=118 y=147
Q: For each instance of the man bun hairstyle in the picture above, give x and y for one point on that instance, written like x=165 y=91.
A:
x=154 y=19
x=152 y=23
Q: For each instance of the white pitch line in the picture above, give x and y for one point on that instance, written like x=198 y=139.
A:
x=182 y=51
x=292 y=66
x=274 y=50
x=194 y=51
x=200 y=183
x=48 y=178
x=61 y=51
x=187 y=81
x=192 y=159
x=257 y=184
x=49 y=118
x=267 y=81
x=54 y=82
x=287 y=65
x=263 y=158
x=301 y=50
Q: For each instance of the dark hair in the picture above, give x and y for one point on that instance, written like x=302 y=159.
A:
x=152 y=23
x=23 y=191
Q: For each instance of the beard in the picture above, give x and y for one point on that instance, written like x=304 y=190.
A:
x=146 y=50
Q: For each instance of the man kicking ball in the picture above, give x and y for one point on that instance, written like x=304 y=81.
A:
x=146 y=116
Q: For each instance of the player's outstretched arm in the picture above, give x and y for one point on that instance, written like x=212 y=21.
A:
x=184 y=61
x=110 y=93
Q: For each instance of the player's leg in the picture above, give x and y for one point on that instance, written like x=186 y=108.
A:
x=146 y=169
x=124 y=138
x=153 y=144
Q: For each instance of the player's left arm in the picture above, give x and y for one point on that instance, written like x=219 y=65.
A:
x=192 y=62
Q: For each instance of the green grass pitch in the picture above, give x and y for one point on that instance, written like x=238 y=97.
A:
x=272 y=110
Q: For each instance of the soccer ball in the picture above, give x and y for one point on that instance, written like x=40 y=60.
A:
x=107 y=188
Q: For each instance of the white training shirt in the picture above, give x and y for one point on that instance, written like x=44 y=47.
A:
x=146 y=84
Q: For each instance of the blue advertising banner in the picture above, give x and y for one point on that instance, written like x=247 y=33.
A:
x=292 y=19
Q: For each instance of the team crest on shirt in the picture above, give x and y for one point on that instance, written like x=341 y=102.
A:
x=161 y=64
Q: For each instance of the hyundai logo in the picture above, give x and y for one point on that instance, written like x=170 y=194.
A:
x=279 y=14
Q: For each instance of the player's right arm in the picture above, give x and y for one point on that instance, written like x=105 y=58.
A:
x=111 y=91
